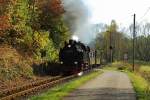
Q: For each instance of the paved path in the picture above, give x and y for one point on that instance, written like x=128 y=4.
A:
x=111 y=85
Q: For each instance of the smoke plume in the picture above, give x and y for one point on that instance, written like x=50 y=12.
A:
x=77 y=18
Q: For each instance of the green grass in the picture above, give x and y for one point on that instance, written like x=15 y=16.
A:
x=145 y=68
x=119 y=65
x=57 y=93
x=145 y=72
x=140 y=85
x=109 y=68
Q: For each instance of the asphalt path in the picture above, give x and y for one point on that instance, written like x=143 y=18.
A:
x=111 y=85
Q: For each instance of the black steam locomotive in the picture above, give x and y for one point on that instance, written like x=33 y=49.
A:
x=75 y=57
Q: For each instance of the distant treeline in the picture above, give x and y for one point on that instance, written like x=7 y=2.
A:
x=121 y=42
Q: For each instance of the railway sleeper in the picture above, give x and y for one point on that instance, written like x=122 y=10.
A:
x=17 y=89
x=34 y=88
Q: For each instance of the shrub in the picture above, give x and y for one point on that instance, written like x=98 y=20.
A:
x=13 y=65
x=121 y=65
x=21 y=69
x=145 y=72
x=42 y=43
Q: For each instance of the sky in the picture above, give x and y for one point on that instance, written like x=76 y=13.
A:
x=103 y=11
x=83 y=15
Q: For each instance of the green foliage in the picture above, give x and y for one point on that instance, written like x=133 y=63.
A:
x=43 y=43
x=145 y=72
x=57 y=28
x=143 y=68
x=122 y=66
x=141 y=86
x=19 y=17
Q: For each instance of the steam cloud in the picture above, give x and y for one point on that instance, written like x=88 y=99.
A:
x=77 y=18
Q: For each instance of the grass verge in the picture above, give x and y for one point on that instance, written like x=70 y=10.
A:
x=140 y=85
x=57 y=93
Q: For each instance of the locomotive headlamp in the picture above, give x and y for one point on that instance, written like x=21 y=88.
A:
x=69 y=46
x=61 y=62
x=75 y=62
x=80 y=74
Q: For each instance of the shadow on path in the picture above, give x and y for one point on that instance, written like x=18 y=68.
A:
x=102 y=94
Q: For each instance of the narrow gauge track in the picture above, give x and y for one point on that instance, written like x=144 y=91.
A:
x=28 y=89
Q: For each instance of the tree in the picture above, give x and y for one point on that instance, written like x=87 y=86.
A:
x=142 y=42
x=50 y=19
x=109 y=39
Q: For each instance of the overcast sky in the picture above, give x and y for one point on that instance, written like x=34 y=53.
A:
x=120 y=10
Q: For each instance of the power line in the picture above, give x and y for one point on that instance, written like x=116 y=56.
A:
x=147 y=11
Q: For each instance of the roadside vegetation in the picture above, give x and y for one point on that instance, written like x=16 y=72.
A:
x=57 y=93
x=12 y=65
x=140 y=77
x=141 y=86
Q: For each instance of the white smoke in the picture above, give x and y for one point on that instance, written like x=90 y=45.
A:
x=77 y=17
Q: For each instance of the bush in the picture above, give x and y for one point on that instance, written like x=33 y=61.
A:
x=145 y=72
x=21 y=69
x=141 y=86
x=121 y=65
x=13 y=65
x=42 y=43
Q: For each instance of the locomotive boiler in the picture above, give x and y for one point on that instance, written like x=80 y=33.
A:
x=74 y=57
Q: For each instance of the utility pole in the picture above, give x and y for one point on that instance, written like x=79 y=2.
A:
x=101 y=57
x=111 y=48
x=95 y=57
x=134 y=42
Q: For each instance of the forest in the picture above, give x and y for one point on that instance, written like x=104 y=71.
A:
x=121 y=42
x=33 y=27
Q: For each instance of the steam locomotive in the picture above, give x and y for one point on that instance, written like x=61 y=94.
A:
x=75 y=57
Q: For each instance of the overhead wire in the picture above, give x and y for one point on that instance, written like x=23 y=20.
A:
x=141 y=18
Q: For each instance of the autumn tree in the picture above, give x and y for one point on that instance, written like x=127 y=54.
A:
x=5 y=6
x=34 y=26
x=51 y=20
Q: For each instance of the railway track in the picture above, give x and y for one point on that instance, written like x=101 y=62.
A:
x=35 y=87
x=28 y=89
